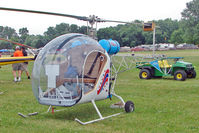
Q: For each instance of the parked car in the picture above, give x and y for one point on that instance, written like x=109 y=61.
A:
x=186 y=46
x=138 y=49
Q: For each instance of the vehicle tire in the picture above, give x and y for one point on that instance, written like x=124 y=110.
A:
x=180 y=75
x=129 y=106
x=192 y=74
x=145 y=74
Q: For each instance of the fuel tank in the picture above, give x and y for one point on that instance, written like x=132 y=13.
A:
x=111 y=46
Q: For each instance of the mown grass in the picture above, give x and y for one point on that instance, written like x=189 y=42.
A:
x=161 y=105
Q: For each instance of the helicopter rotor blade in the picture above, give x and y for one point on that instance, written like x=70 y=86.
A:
x=91 y=19
x=47 y=13
x=114 y=21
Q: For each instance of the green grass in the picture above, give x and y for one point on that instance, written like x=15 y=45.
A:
x=161 y=105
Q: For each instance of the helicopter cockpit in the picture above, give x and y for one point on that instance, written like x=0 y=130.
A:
x=67 y=68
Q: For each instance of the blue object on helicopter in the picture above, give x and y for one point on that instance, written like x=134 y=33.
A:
x=111 y=46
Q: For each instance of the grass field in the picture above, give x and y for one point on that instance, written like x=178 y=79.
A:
x=161 y=105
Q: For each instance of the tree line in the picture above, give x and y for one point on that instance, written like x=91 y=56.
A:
x=185 y=30
x=37 y=41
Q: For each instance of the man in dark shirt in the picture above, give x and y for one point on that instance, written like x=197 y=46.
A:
x=25 y=64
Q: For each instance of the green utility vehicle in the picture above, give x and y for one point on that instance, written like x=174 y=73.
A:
x=166 y=66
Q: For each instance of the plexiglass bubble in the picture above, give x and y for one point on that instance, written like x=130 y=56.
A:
x=62 y=67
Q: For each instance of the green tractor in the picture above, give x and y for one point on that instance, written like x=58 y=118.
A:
x=163 y=67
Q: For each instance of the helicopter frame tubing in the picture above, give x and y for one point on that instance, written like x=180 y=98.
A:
x=121 y=63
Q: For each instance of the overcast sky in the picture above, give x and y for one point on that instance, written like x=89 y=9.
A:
x=123 y=10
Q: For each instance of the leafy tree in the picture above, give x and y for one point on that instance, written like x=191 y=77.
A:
x=167 y=27
x=148 y=37
x=74 y=28
x=39 y=41
x=23 y=32
x=7 y=32
x=50 y=33
x=62 y=28
x=83 y=30
x=190 y=16
x=30 y=40
x=5 y=45
x=177 y=36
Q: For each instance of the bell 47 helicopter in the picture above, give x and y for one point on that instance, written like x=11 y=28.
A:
x=74 y=68
x=12 y=60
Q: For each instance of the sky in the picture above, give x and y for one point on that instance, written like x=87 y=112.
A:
x=122 y=10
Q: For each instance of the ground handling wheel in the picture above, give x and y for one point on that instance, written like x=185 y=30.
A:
x=129 y=106
x=180 y=75
x=145 y=74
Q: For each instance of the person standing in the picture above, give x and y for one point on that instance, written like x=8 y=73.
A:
x=25 y=64
x=17 y=67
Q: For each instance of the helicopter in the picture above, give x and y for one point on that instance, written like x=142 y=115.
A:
x=74 y=69
x=12 y=60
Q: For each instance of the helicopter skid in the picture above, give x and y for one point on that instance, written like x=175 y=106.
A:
x=30 y=114
x=98 y=112
x=84 y=123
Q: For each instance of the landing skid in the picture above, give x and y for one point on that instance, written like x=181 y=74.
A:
x=30 y=114
x=98 y=112
x=128 y=106
x=36 y=113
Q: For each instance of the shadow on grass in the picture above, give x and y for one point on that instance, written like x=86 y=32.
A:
x=85 y=112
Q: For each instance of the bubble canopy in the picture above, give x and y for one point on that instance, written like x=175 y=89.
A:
x=59 y=71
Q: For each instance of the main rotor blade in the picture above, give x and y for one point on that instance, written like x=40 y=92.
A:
x=115 y=21
x=84 y=18
x=47 y=13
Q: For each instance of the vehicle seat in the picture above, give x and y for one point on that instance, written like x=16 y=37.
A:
x=164 y=64
x=92 y=70
x=94 y=64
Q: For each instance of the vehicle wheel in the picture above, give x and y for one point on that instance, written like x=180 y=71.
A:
x=145 y=74
x=129 y=106
x=180 y=75
x=192 y=74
